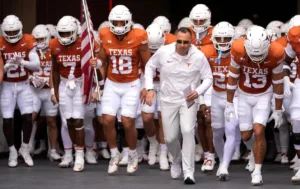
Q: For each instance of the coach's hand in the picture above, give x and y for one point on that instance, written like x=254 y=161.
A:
x=143 y=95
x=191 y=96
x=150 y=97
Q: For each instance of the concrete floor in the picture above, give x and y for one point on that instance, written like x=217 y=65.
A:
x=47 y=175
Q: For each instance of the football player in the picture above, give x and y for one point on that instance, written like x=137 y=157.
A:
x=123 y=48
x=18 y=56
x=41 y=91
x=256 y=69
x=218 y=56
x=66 y=82
x=292 y=51
x=200 y=17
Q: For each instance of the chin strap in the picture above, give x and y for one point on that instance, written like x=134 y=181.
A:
x=42 y=54
x=219 y=57
x=198 y=38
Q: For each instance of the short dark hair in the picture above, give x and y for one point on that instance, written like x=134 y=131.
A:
x=184 y=30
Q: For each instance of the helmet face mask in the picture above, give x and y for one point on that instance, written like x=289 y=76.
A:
x=41 y=43
x=120 y=20
x=67 y=30
x=222 y=36
x=223 y=43
x=12 y=29
x=257 y=44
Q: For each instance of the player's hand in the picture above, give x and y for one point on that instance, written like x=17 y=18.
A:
x=287 y=86
x=38 y=82
x=277 y=117
x=18 y=60
x=229 y=111
x=53 y=99
x=93 y=62
x=9 y=64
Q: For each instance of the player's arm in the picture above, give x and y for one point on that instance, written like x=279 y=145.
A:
x=145 y=54
x=54 y=77
x=290 y=55
x=234 y=74
x=34 y=61
x=1 y=68
x=103 y=58
x=277 y=81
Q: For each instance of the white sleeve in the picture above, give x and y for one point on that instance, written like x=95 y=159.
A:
x=206 y=76
x=142 y=79
x=34 y=61
x=205 y=70
x=290 y=51
x=150 y=68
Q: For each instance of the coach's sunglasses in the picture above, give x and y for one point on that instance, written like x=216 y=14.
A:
x=182 y=42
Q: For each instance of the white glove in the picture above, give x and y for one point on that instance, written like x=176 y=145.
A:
x=100 y=95
x=18 y=60
x=71 y=84
x=277 y=116
x=229 y=111
x=288 y=86
x=38 y=82
x=46 y=81
x=9 y=64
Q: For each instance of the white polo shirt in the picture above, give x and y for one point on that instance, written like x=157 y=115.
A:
x=177 y=72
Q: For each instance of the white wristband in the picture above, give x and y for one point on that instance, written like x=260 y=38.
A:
x=201 y=100
x=231 y=87
x=99 y=64
x=278 y=96
x=52 y=91
x=277 y=81
x=101 y=82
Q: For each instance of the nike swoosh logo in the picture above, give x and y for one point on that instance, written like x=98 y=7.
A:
x=79 y=48
x=129 y=42
x=23 y=44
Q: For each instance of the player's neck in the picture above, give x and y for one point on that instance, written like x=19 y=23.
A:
x=225 y=53
x=70 y=45
x=121 y=37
